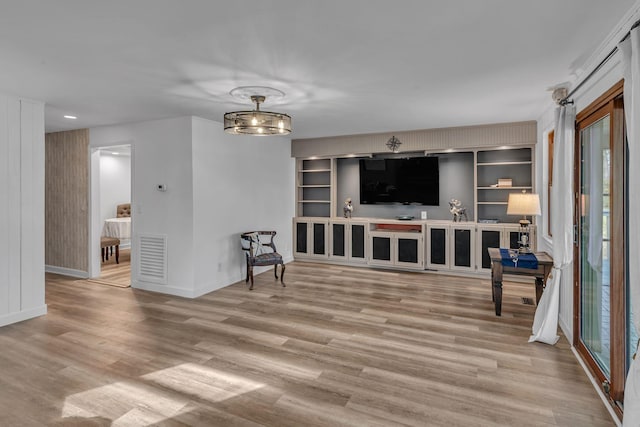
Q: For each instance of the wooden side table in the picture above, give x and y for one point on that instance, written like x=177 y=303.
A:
x=545 y=264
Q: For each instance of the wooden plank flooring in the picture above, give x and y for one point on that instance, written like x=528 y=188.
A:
x=116 y=274
x=338 y=346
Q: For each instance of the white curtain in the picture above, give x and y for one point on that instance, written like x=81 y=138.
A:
x=631 y=62
x=545 y=322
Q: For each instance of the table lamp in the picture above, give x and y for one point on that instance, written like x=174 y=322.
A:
x=524 y=204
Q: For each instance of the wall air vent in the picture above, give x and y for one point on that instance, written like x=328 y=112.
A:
x=152 y=262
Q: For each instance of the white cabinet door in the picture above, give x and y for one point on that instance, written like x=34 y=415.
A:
x=409 y=250
x=462 y=244
x=404 y=250
x=311 y=238
x=338 y=240
x=348 y=240
x=438 y=247
x=357 y=242
x=488 y=236
x=381 y=248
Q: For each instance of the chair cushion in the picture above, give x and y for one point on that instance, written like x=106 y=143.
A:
x=267 y=259
x=106 y=242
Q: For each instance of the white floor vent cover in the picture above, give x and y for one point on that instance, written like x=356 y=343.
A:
x=152 y=262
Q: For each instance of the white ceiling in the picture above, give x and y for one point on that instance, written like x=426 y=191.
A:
x=346 y=66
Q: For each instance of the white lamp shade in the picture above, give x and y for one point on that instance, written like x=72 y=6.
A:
x=523 y=204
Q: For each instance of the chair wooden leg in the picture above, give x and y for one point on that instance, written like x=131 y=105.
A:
x=282 y=275
x=275 y=271
x=251 y=277
x=102 y=252
x=117 y=254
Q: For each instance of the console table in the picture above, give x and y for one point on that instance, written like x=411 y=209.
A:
x=545 y=264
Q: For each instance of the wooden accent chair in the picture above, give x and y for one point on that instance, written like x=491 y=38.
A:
x=123 y=211
x=261 y=254
x=107 y=244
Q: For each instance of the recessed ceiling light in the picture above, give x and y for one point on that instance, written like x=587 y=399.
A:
x=70 y=117
x=114 y=153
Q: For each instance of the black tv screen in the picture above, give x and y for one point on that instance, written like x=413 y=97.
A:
x=412 y=180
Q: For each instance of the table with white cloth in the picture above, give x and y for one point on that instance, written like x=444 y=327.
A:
x=117 y=227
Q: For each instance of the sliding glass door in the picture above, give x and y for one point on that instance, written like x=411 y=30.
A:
x=601 y=312
x=594 y=244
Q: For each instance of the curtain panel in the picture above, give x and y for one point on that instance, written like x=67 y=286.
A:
x=545 y=322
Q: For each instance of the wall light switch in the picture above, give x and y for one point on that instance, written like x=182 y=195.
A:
x=162 y=187
x=423 y=214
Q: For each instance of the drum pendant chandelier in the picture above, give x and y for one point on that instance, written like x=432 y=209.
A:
x=256 y=122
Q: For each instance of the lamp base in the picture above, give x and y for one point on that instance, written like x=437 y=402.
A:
x=524 y=236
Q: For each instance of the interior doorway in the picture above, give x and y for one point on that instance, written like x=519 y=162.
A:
x=111 y=214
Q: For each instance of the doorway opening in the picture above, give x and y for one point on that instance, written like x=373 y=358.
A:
x=111 y=215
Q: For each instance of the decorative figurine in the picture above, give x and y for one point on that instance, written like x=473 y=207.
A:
x=347 y=208
x=456 y=209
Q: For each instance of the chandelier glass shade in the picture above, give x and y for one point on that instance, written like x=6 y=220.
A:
x=257 y=122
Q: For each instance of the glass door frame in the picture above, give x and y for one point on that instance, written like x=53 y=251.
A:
x=609 y=104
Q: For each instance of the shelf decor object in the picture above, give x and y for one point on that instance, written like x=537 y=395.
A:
x=256 y=122
x=524 y=204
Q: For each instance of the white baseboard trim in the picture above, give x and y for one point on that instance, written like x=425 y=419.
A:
x=204 y=288
x=597 y=387
x=568 y=331
x=20 y=316
x=214 y=286
x=163 y=289
x=66 y=271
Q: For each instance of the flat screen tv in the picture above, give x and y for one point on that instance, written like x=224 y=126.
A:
x=412 y=180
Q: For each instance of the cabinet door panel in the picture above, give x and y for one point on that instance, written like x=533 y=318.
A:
x=408 y=250
x=490 y=239
x=357 y=241
x=301 y=237
x=438 y=251
x=513 y=237
x=462 y=250
x=338 y=239
x=318 y=239
x=381 y=248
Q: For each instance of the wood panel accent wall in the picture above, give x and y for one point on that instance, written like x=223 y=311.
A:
x=516 y=133
x=67 y=199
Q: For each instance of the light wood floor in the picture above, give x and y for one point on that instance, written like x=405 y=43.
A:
x=116 y=274
x=338 y=346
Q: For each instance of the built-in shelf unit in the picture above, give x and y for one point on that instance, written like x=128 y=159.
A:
x=515 y=164
x=472 y=161
x=315 y=181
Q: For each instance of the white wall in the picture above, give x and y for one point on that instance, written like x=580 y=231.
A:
x=218 y=185
x=240 y=183
x=21 y=210
x=161 y=155
x=115 y=183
